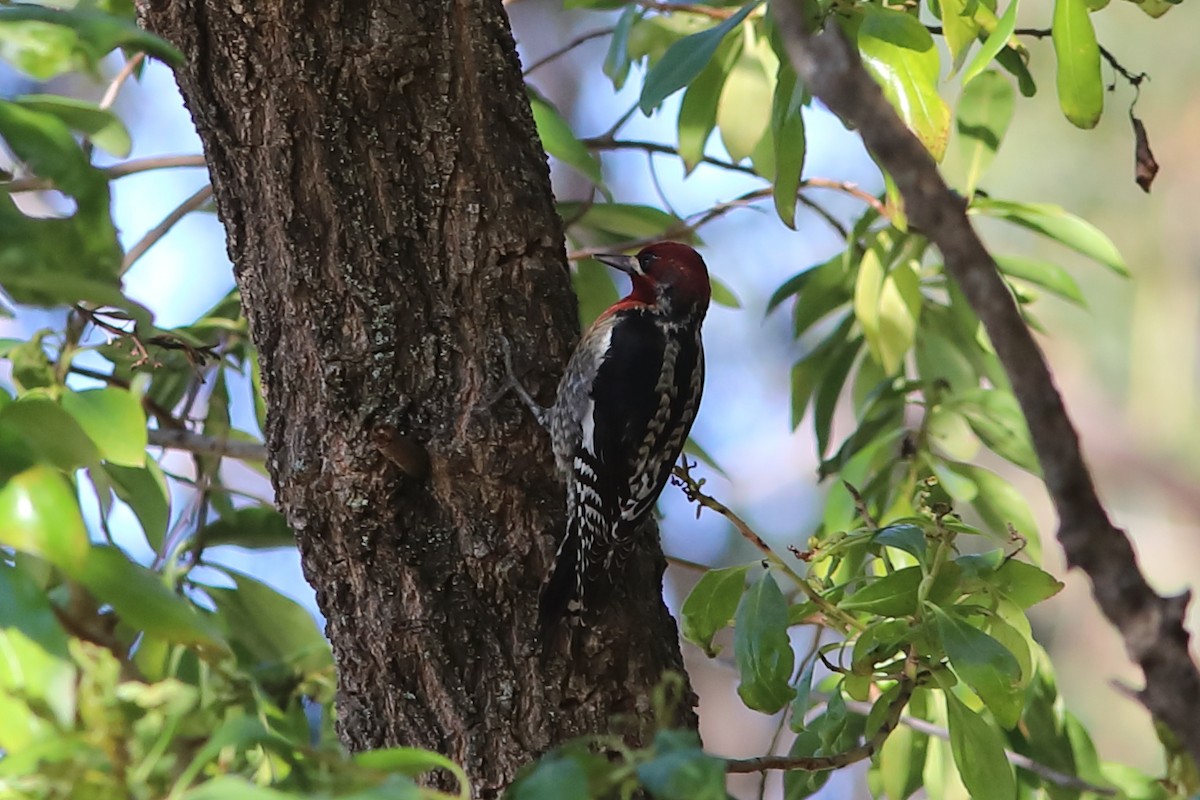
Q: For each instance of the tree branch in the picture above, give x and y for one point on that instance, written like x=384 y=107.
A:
x=35 y=184
x=1152 y=626
x=681 y=475
x=566 y=48
x=837 y=760
x=206 y=445
x=160 y=230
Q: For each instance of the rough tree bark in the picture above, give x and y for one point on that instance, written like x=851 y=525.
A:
x=389 y=215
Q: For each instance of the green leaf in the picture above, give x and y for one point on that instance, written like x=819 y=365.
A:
x=952 y=478
x=984 y=664
x=684 y=60
x=45 y=144
x=36 y=669
x=711 y=604
x=832 y=382
x=827 y=287
x=893 y=595
x=1080 y=87
x=1156 y=8
x=698 y=111
x=978 y=751
x=803 y=695
x=683 y=774
x=616 y=60
x=789 y=141
x=1025 y=584
x=31 y=367
x=38 y=49
x=1057 y=224
x=722 y=295
x=594 y=289
x=997 y=419
x=1017 y=643
x=253 y=527
x=949 y=432
x=233 y=787
x=744 y=110
x=960 y=29
x=96 y=34
x=996 y=41
x=52 y=434
x=868 y=289
x=903 y=536
x=550 y=779
x=984 y=112
x=1045 y=274
x=900 y=54
x=887 y=305
x=40 y=515
x=144 y=490
x=692 y=448
x=271 y=633
x=413 y=762
x=623 y=222
x=902 y=756
x=1001 y=505
x=238 y=732
x=112 y=418
x=53 y=261
x=559 y=140
x=761 y=646
x=101 y=126
x=143 y=602
x=798 y=783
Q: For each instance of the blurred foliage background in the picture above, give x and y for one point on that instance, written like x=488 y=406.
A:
x=1127 y=361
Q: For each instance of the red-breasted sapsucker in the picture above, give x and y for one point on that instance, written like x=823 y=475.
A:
x=622 y=414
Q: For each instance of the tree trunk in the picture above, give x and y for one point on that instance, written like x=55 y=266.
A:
x=389 y=215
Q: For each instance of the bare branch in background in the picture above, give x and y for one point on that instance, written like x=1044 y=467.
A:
x=566 y=48
x=160 y=230
x=1151 y=626
x=114 y=88
x=206 y=445
x=131 y=167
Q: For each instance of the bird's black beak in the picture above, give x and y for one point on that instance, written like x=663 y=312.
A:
x=627 y=264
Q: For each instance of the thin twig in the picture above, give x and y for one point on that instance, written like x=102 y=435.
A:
x=1135 y=80
x=132 y=167
x=837 y=760
x=568 y=47
x=683 y=230
x=160 y=230
x=688 y=8
x=697 y=221
x=114 y=88
x=850 y=188
x=609 y=143
x=822 y=212
x=202 y=445
x=696 y=566
x=692 y=488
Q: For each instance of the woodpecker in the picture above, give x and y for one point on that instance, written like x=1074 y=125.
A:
x=621 y=416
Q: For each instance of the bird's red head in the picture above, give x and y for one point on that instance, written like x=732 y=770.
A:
x=666 y=273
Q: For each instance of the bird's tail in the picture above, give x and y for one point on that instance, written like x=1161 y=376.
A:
x=561 y=592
